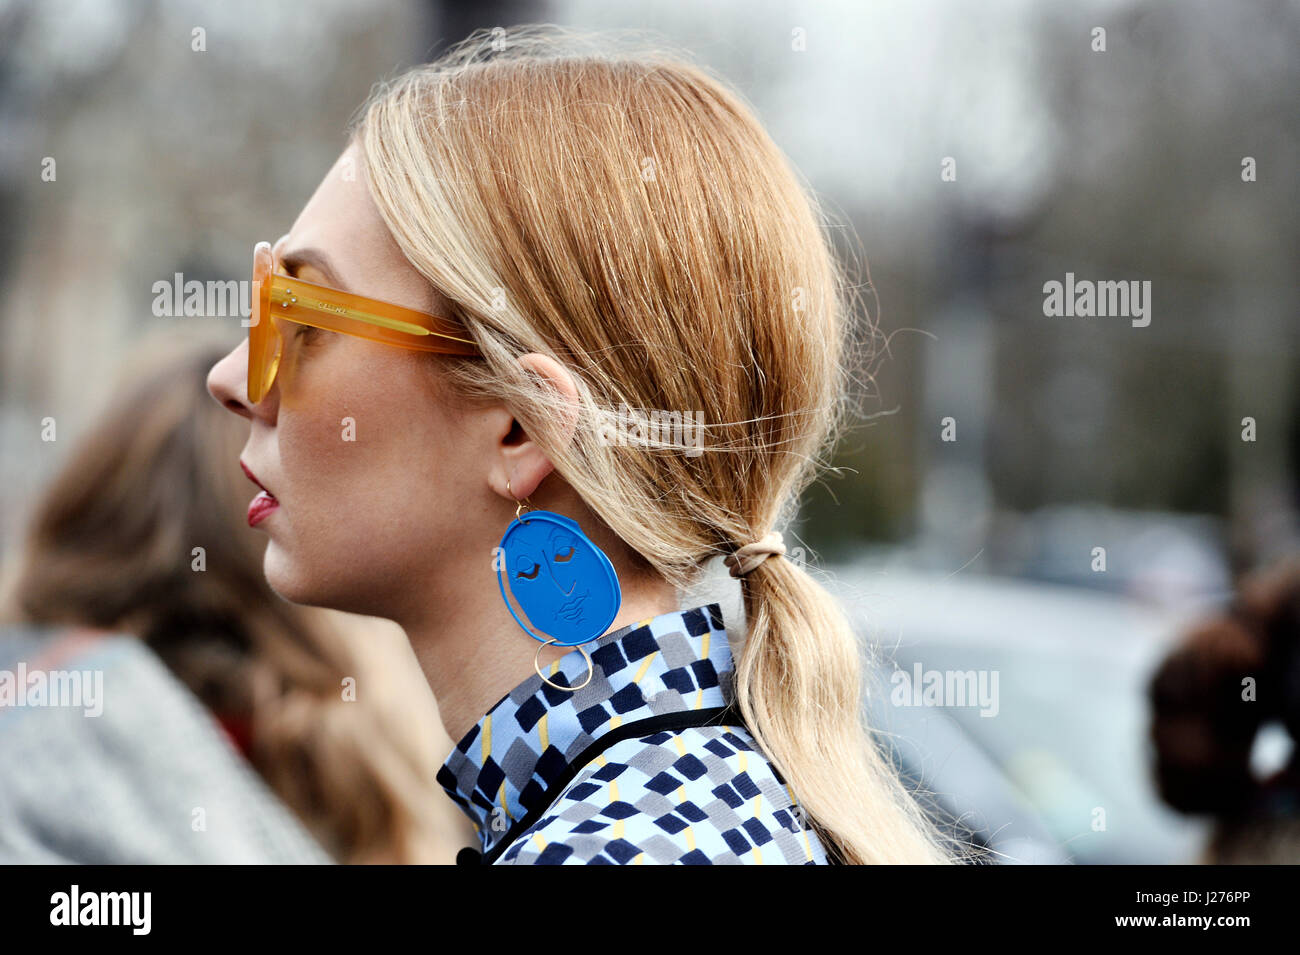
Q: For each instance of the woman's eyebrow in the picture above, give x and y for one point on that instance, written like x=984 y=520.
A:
x=295 y=260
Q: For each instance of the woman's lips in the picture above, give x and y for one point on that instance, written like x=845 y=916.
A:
x=263 y=504
x=260 y=507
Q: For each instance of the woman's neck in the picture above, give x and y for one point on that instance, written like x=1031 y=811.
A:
x=474 y=653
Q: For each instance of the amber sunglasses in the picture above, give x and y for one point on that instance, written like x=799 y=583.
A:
x=277 y=297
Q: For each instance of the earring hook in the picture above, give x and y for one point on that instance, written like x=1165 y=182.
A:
x=522 y=504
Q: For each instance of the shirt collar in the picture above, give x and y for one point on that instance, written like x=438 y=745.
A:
x=503 y=767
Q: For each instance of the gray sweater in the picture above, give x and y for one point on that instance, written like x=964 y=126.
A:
x=106 y=758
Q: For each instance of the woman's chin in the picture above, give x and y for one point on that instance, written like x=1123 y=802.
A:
x=301 y=585
x=288 y=581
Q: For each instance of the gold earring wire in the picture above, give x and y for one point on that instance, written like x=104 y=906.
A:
x=591 y=669
x=522 y=504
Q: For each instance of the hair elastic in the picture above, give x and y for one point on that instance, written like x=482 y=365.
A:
x=750 y=556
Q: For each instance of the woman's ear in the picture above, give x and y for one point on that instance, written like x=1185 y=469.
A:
x=522 y=461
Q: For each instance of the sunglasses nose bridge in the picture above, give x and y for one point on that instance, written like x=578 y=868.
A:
x=276 y=351
x=264 y=342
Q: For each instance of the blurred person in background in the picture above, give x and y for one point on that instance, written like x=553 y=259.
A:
x=330 y=709
x=1227 y=678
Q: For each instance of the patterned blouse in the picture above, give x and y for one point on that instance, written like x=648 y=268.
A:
x=646 y=764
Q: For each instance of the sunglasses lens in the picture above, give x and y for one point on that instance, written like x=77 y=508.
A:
x=263 y=337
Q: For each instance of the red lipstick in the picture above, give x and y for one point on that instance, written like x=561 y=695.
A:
x=263 y=504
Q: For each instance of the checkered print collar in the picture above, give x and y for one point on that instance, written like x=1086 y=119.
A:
x=502 y=768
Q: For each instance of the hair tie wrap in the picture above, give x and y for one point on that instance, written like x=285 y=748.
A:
x=751 y=555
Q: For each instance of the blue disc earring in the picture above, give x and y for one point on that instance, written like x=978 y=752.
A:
x=564 y=583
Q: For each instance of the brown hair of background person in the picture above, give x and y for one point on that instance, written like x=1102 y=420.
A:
x=111 y=547
x=1204 y=729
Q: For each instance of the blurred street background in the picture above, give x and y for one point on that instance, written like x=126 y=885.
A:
x=970 y=152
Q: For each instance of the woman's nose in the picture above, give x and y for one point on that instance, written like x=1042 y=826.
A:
x=228 y=381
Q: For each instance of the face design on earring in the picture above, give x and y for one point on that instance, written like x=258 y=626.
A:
x=565 y=584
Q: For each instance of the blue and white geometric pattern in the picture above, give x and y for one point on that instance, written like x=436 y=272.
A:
x=691 y=795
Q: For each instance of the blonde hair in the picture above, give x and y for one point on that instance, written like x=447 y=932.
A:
x=109 y=546
x=626 y=214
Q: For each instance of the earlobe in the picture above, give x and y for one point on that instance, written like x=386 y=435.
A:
x=517 y=460
x=520 y=474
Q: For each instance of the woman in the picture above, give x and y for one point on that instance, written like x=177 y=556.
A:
x=139 y=533
x=585 y=238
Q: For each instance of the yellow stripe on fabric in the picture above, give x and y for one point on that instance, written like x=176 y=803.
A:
x=487 y=751
x=543 y=735
x=681 y=794
x=803 y=828
x=616 y=721
x=640 y=859
x=541 y=843
x=619 y=826
x=699 y=694
x=645 y=666
x=681 y=751
x=743 y=763
x=744 y=768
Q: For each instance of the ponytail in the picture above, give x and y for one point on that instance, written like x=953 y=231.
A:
x=799 y=689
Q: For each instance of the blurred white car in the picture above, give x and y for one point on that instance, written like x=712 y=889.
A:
x=1047 y=684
